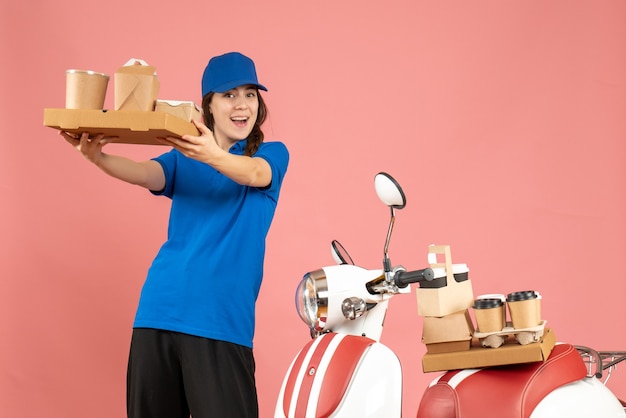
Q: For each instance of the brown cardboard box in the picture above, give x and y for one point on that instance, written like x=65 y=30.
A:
x=449 y=333
x=454 y=297
x=185 y=110
x=477 y=356
x=136 y=86
x=130 y=126
x=445 y=300
x=449 y=346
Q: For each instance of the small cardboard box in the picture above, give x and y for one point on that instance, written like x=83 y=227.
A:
x=455 y=296
x=129 y=126
x=185 y=110
x=477 y=356
x=448 y=333
x=136 y=86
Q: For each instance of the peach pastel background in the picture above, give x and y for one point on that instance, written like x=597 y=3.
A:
x=503 y=120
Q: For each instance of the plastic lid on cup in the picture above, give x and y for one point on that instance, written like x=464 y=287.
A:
x=492 y=296
x=523 y=295
x=487 y=303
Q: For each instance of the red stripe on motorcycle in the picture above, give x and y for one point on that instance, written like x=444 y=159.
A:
x=339 y=373
x=310 y=373
x=293 y=375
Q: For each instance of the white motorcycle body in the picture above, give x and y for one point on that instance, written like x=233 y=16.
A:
x=345 y=281
x=588 y=397
x=339 y=375
x=347 y=372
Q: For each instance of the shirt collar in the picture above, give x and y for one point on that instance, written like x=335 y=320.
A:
x=238 y=147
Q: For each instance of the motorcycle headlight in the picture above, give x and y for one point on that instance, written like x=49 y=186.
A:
x=312 y=300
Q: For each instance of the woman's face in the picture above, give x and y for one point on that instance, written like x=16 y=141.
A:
x=234 y=113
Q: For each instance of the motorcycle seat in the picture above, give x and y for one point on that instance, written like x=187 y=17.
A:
x=507 y=391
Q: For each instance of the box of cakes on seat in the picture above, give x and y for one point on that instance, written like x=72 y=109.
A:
x=448 y=333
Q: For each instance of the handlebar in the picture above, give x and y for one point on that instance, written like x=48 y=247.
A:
x=404 y=278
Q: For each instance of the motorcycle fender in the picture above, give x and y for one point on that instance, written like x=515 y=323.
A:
x=342 y=375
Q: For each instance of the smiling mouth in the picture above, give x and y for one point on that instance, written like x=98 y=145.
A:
x=240 y=121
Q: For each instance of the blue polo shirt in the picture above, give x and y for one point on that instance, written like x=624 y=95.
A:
x=206 y=277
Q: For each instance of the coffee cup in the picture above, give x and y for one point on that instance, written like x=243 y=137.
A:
x=490 y=314
x=85 y=89
x=524 y=308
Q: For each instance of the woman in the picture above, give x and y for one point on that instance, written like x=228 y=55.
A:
x=191 y=349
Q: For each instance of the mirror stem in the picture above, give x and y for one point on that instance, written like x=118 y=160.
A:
x=386 y=261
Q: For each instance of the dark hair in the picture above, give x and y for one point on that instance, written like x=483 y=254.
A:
x=255 y=139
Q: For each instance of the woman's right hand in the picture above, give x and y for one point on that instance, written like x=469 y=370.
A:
x=90 y=147
x=148 y=174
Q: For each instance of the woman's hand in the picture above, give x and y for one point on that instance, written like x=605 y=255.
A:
x=90 y=147
x=202 y=148
x=148 y=174
x=239 y=168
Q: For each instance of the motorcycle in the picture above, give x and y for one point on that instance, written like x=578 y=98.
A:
x=345 y=371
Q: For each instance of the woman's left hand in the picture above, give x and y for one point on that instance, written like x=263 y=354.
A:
x=200 y=148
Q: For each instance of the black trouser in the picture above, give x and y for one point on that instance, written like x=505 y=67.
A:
x=173 y=375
